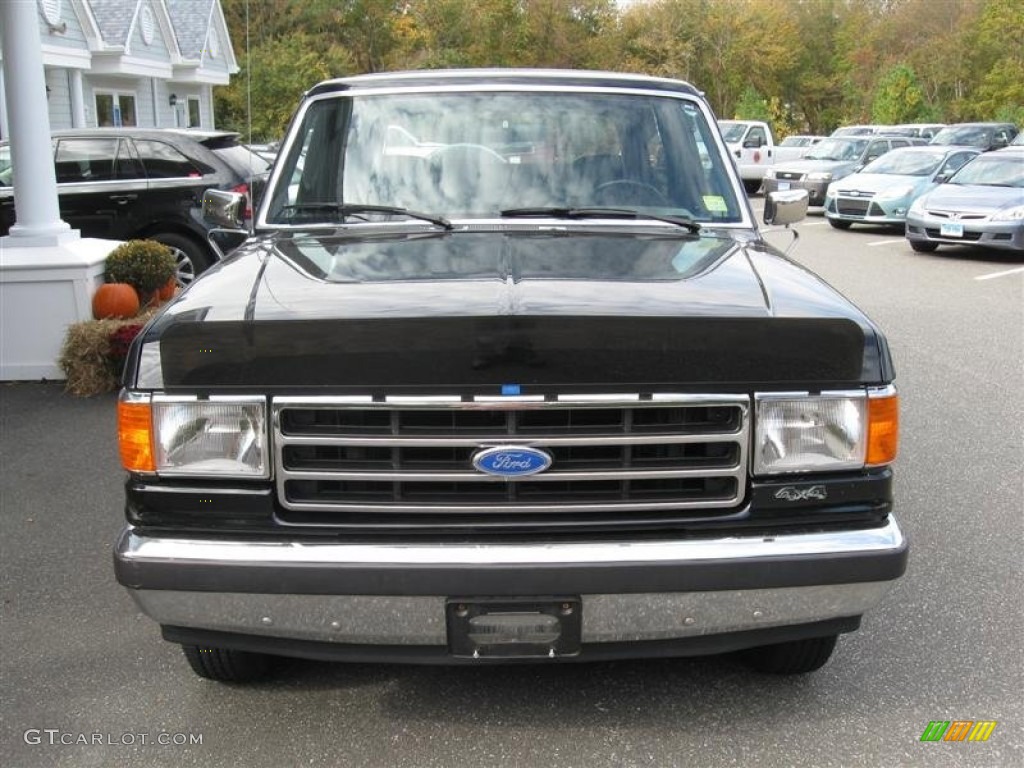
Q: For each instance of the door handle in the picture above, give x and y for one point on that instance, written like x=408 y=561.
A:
x=123 y=199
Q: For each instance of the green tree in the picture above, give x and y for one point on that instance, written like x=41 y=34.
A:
x=898 y=97
x=752 y=106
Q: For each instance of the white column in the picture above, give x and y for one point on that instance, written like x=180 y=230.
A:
x=35 y=190
x=209 y=100
x=77 y=99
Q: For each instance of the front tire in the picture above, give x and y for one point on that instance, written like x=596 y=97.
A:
x=226 y=665
x=751 y=186
x=797 y=657
x=840 y=224
x=190 y=257
x=923 y=246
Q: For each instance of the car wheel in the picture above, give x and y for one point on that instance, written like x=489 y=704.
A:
x=751 y=185
x=191 y=258
x=840 y=224
x=923 y=246
x=226 y=665
x=793 y=658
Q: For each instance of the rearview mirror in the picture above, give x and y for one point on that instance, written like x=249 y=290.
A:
x=224 y=209
x=785 y=208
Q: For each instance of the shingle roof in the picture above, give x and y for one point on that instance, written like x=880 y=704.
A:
x=190 y=19
x=113 y=17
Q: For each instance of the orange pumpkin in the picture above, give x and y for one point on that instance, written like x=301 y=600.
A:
x=168 y=290
x=115 y=300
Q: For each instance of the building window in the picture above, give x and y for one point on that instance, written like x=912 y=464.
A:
x=115 y=110
x=194 y=120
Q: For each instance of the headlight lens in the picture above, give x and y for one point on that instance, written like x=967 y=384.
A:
x=819 y=176
x=216 y=437
x=810 y=433
x=1010 y=214
x=770 y=173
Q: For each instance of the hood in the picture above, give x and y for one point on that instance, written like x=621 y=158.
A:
x=879 y=182
x=481 y=309
x=974 y=198
x=806 y=165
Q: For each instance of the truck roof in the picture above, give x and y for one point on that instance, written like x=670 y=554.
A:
x=566 y=77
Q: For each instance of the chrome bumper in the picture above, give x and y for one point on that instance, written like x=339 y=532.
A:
x=395 y=594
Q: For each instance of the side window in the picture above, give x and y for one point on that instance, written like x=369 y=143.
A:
x=6 y=169
x=955 y=162
x=756 y=137
x=162 y=161
x=900 y=143
x=127 y=164
x=80 y=160
x=875 y=150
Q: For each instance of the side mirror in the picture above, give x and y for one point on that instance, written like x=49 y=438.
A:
x=224 y=209
x=785 y=208
x=942 y=178
x=753 y=144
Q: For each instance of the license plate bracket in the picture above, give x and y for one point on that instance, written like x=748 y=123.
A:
x=514 y=628
x=783 y=186
x=950 y=229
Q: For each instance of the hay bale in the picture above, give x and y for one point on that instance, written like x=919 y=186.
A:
x=89 y=367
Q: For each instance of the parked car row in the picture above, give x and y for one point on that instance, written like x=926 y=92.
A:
x=125 y=183
x=941 y=195
x=984 y=136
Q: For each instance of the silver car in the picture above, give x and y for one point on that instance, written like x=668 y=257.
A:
x=983 y=204
x=883 y=191
x=827 y=161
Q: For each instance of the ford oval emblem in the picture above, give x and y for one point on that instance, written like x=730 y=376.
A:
x=511 y=460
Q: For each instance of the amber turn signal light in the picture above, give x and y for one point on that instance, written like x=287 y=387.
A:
x=883 y=429
x=135 y=436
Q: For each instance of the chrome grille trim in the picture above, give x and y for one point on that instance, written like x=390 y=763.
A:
x=733 y=433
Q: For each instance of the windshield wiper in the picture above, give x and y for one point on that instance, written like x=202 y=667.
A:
x=608 y=213
x=354 y=209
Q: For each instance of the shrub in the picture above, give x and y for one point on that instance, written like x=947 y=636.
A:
x=146 y=265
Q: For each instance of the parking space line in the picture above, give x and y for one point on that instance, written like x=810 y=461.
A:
x=1004 y=273
x=883 y=242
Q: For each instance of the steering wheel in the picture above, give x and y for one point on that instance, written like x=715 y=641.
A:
x=629 y=192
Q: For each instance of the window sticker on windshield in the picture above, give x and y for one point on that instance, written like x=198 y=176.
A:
x=715 y=203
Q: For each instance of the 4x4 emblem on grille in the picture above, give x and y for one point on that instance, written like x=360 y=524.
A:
x=511 y=460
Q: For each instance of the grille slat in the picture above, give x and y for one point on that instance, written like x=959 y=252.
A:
x=368 y=462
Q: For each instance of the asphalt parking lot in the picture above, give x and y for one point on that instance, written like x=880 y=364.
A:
x=78 y=658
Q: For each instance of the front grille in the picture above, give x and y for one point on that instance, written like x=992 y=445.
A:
x=364 y=463
x=849 y=207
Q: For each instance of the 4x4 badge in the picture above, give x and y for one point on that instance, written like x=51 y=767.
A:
x=792 y=493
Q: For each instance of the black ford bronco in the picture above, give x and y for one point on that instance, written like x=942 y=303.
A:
x=506 y=371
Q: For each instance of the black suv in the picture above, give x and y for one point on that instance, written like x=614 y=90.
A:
x=124 y=183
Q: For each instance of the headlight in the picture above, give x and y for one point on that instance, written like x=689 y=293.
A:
x=769 y=173
x=894 y=193
x=819 y=176
x=917 y=207
x=833 y=431
x=1010 y=214
x=219 y=437
x=830 y=191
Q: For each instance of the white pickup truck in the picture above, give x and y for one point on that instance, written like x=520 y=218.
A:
x=753 y=146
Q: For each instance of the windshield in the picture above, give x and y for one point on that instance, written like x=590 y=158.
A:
x=477 y=153
x=837 y=149
x=992 y=170
x=964 y=136
x=732 y=132
x=902 y=163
